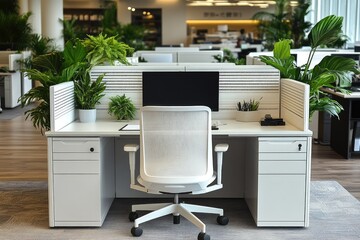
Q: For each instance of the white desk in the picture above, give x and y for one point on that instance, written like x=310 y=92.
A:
x=264 y=165
x=268 y=166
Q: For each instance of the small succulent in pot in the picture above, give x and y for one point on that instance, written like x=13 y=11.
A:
x=122 y=107
x=251 y=105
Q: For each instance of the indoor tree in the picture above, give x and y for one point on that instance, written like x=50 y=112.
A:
x=299 y=27
x=275 y=26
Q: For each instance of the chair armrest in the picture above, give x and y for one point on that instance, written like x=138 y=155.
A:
x=222 y=147
x=131 y=147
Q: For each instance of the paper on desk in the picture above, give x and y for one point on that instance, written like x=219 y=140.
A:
x=131 y=127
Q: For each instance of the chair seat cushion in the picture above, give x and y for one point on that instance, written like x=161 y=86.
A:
x=189 y=187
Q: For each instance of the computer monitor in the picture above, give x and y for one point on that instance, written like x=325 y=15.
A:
x=181 y=89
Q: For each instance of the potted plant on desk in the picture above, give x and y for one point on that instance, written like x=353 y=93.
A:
x=87 y=94
x=122 y=108
x=248 y=111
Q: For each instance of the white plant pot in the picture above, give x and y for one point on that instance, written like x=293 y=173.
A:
x=87 y=115
x=248 y=116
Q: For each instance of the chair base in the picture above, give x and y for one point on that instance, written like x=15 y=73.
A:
x=177 y=209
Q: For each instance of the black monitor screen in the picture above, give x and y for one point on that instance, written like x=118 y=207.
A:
x=181 y=89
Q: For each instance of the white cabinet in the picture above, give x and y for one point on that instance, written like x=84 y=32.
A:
x=81 y=182
x=282 y=183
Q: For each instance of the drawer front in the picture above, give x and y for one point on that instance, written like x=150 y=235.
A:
x=60 y=156
x=281 y=198
x=75 y=167
x=83 y=145
x=282 y=167
x=269 y=156
x=77 y=198
x=282 y=145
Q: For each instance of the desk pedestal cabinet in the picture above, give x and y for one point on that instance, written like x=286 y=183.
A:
x=81 y=180
x=276 y=181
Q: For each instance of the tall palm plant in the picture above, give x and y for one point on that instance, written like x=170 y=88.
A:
x=275 y=26
x=299 y=27
x=328 y=73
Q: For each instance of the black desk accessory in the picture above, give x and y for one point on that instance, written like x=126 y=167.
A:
x=269 y=121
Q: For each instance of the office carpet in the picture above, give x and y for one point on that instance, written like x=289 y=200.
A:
x=11 y=113
x=334 y=214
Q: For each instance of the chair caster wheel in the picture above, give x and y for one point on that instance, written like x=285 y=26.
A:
x=176 y=219
x=222 y=220
x=133 y=216
x=203 y=236
x=136 y=231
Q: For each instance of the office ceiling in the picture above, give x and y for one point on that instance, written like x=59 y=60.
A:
x=250 y=3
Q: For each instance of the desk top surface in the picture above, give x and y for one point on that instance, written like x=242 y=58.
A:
x=339 y=94
x=226 y=127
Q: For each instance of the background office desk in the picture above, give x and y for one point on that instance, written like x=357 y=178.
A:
x=343 y=130
x=268 y=166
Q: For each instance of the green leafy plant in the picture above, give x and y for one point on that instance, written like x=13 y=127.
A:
x=275 y=26
x=229 y=57
x=15 y=31
x=87 y=92
x=122 y=108
x=50 y=69
x=251 y=105
x=332 y=71
x=299 y=27
x=103 y=49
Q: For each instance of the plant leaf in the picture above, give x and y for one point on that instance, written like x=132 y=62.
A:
x=326 y=31
x=282 y=49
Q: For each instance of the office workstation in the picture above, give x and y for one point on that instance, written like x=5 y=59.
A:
x=268 y=166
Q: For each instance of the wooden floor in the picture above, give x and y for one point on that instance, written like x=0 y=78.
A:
x=23 y=156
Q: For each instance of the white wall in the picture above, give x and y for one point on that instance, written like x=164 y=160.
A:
x=173 y=17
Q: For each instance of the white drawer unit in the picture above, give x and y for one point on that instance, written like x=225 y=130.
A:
x=281 y=195
x=81 y=193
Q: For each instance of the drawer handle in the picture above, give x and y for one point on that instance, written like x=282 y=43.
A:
x=92 y=149
x=300 y=145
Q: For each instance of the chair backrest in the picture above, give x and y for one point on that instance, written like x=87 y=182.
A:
x=175 y=142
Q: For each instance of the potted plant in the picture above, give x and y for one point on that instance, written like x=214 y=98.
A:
x=102 y=49
x=87 y=94
x=50 y=69
x=247 y=111
x=122 y=108
x=328 y=73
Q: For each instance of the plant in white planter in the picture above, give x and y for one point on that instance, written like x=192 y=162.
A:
x=248 y=111
x=122 y=108
x=87 y=94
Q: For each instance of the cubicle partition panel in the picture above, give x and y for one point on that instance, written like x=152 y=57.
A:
x=179 y=56
x=295 y=103
x=62 y=105
x=236 y=83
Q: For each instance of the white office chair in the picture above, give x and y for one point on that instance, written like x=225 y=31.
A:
x=175 y=158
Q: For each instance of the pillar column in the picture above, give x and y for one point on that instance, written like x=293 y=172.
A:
x=34 y=6
x=51 y=12
x=23 y=6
